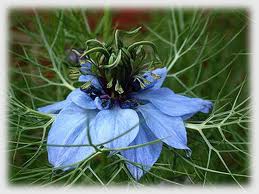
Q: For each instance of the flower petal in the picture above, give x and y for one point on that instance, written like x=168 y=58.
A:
x=102 y=104
x=118 y=127
x=146 y=156
x=170 y=130
x=86 y=67
x=92 y=78
x=86 y=64
x=173 y=104
x=69 y=128
x=81 y=99
x=156 y=83
x=77 y=96
x=53 y=108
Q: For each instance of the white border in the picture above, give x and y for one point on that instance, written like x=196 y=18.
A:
x=254 y=78
x=130 y=3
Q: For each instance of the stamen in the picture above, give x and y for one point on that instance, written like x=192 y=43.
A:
x=155 y=76
x=118 y=88
x=109 y=85
x=86 y=85
x=130 y=103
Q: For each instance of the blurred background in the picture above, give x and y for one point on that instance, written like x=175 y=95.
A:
x=206 y=52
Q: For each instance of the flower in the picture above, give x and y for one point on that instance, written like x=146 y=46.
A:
x=117 y=107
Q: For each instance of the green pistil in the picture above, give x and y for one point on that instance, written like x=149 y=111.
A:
x=118 y=63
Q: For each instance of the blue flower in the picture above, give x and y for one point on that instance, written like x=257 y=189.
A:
x=119 y=115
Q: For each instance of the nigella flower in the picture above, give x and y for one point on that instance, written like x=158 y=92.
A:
x=120 y=103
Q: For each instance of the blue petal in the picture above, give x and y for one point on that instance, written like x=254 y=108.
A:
x=86 y=68
x=69 y=128
x=173 y=104
x=102 y=104
x=86 y=64
x=146 y=156
x=92 y=78
x=77 y=96
x=170 y=130
x=98 y=103
x=81 y=99
x=118 y=127
x=157 y=83
x=54 y=108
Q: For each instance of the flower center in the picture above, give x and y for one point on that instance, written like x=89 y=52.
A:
x=118 y=68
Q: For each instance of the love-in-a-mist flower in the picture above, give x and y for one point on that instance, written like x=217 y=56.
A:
x=120 y=103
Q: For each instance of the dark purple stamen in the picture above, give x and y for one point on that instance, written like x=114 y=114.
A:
x=130 y=103
x=92 y=92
